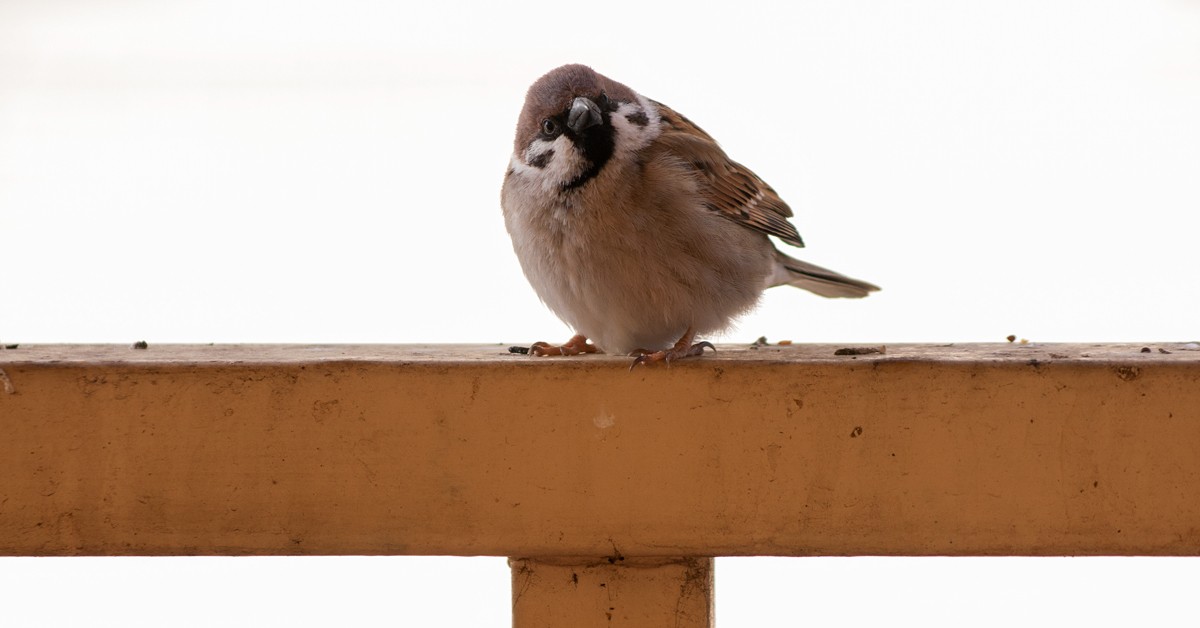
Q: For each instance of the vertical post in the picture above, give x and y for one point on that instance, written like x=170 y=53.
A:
x=612 y=593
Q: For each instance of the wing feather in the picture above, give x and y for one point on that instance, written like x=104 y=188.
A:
x=731 y=189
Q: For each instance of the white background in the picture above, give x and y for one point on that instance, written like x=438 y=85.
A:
x=269 y=171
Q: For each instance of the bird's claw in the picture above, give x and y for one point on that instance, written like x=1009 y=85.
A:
x=576 y=345
x=641 y=359
x=672 y=354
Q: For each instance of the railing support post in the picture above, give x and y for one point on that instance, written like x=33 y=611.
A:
x=612 y=592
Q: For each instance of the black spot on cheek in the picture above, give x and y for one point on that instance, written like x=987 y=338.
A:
x=639 y=118
x=541 y=160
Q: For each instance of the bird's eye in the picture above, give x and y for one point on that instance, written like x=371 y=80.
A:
x=549 y=127
x=604 y=102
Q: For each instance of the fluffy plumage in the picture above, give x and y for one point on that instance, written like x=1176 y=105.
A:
x=635 y=227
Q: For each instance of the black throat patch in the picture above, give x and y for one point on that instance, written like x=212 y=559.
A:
x=597 y=144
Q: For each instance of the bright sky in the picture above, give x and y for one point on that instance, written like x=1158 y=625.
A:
x=269 y=171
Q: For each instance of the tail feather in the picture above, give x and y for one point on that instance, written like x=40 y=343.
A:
x=818 y=280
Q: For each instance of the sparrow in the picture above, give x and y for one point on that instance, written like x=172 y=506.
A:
x=634 y=226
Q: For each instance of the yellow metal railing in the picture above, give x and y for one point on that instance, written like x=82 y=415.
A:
x=607 y=488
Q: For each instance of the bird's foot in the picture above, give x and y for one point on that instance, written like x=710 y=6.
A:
x=576 y=345
x=682 y=349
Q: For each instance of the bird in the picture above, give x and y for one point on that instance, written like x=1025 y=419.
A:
x=635 y=228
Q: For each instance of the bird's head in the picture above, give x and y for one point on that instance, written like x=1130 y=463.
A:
x=574 y=122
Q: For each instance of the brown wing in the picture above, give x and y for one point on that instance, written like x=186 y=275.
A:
x=730 y=188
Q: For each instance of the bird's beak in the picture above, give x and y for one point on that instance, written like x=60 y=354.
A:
x=584 y=114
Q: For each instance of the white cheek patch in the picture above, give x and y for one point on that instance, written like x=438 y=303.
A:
x=539 y=153
x=637 y=124
x=550 y=162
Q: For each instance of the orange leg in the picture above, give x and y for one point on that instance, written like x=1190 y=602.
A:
x=682 y=349
x=576 y=345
